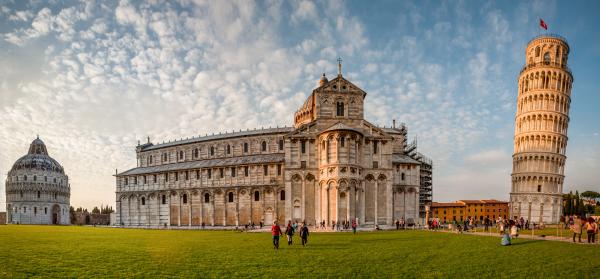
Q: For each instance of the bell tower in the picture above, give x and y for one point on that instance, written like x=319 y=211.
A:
x=541 y=123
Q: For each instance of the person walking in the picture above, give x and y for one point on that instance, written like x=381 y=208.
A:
x=289 y=232
x=591 y=229
x=514 y=230
x=353 y=226
x=275 y=232
x=397 y=224
x=576 y=228
x=304 y=234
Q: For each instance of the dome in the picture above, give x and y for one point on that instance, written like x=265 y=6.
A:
x=323 y=80
x=37 y=158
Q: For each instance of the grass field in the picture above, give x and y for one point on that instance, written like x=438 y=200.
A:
x=59 y=251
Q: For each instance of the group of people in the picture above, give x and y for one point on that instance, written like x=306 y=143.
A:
x=579 y=224
x=338 y=226
x=290 y=230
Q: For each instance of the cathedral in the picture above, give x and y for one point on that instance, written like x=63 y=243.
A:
x=331 y=166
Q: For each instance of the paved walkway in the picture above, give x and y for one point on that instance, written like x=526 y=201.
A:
x=528 y=236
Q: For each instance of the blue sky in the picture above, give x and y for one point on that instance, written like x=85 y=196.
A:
x=92 y=78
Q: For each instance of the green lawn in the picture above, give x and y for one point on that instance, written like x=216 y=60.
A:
x=56 y=251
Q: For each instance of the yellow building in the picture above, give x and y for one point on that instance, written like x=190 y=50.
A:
x=463 y=209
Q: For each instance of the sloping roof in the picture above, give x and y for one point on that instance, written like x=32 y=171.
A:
x=403 y=159
x=470 y=201
x=220 y=136
x=446 y=204
x=341 y=126
x=219 y=162
x=493 y=201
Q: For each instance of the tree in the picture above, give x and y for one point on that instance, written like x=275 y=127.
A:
x=591 y=195
x=95 y=210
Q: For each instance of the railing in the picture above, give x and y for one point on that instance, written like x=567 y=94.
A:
x=549 y=35
x=553 y=64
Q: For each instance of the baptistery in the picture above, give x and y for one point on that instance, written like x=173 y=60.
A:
x=37 y=189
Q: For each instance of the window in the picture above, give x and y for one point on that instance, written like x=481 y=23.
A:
x=206 y=198
x=197 y=174
x=375 y=164
x=228 y=149
x=340 y=109
x=54 y=195
x=143 y=201
x=232 y=171
x=303 y=146
x=303 y=164
x=38 y=194
x=25 y=178
x=221 y=173
x=539 y=188
x=184 y=198
x=25 y=209
x=280 y=144
x=547 y=57
x=246 y=171
x=35 y=178
x=209 y=173
x=230 y=198
x=282 y=195
x=166 y=177
x=154 y=178
x=265 y=169
x=144 y=179
x=342 y=141
x=537 y=51
x=187 y=175
x=45 y=210
x=135 y=180
x=196 y=153
x=35 y=210
x=264 y=146
x=256 y=196
x=374 y=147
x=164 y=199
x=150 y=159
x=212 y=151
x=180 y=155
x=278 y=169
x=245 y=147
x=176 y=176
x=165 y=157
x=403 y=176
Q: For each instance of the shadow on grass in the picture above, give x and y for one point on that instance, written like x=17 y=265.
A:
x=526 y=242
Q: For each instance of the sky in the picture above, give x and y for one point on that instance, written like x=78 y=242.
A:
x=94 y=77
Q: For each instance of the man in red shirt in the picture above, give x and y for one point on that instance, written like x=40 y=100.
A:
x=276 y=232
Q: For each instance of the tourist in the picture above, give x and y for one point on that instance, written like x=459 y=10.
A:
x=397 y=224
x=500 y=226
x=333 y=224
x=505 y=240
x=514 y=230
x=402 y=223
x=576 y=228
x=354 y=226
x=591 y=229
x=289 y=232
x=304 y=234
x=275 y=232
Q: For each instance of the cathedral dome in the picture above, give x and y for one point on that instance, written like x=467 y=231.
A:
x=37 y=158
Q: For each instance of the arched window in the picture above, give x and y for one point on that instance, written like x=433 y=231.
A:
x=539 y=188
x=25 y=178
x=403 y=177
x=280 y=144
x=206 y=198
x=232 y=171
x=264 y=146
x=547 y=57
x=282 y=195
x=245 y=147
x=303 y=146
x=196 y=153
x=35 y=178
x=374 y=147
x=35 y=210
x=55 y=195
x=537 y=51
x=256 y=196
x=164 y=199
x=212 y=151
x=340 y=109
x=180 y=155
x=228 y=149
x=342 y=141
x=184 y=198
x=45 y=210
x=154 y=178
x=230 y=198
x=143 y=201
x=38 y=194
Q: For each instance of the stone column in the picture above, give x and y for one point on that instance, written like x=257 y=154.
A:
x=190 y=210
x=212 y=213
x=179 y=210
x=362 y=202
x=303 y=198
x=376 y=201
x=328 y=216
x=237 y=208
x=225 y=196
x=349 y=207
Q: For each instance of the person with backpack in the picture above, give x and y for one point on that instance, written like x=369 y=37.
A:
x=304 y=234
x=289 y=232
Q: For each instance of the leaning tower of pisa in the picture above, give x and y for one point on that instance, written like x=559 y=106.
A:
x=541 y=131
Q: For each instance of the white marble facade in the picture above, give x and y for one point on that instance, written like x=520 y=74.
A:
x=333 y=165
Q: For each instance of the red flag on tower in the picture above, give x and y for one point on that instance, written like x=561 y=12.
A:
x=543 y=24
